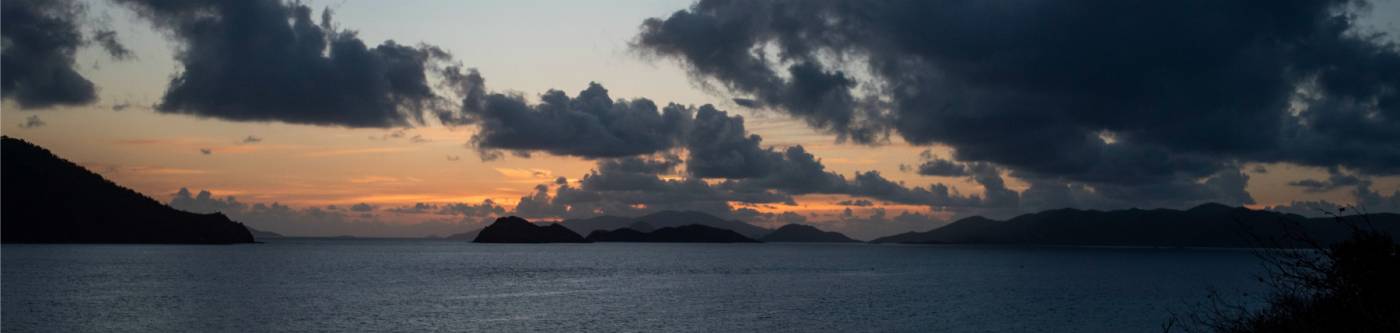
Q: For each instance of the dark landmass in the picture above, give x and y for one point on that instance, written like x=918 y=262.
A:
x=513 y=229
x=258 y=234
x=698 y=233
x=694 y=233
x=798 y=233
x=467 y=236
x=50 y=200
x=662 y=220
x=1208 y=225
x=641 y=226
x=604 y=222
x=1346 y=286
x=619 y=235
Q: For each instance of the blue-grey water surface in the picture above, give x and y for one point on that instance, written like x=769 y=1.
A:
x=426 y=285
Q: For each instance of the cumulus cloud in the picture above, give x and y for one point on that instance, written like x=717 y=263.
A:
x=362 y=208
x=755 y=169
x=107 y=39
x=632 y=186
x=268 y=60
x=32 y=122
x=357 y=220
x=935 y=166
x=878 y=222
x=1160 y=103
x=41 y=39
x=1364 y=199
x=204 y=202
x=720 y=147
x=724 y=163
x=486 y=209
x=590 y=124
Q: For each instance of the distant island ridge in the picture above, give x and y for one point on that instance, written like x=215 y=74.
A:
x=48 y=199
x=53 y=200
x=260 y=234
x=1206 y=225
x=692 y=233
x=663 y=219
x=801 y=233
x=513 y=229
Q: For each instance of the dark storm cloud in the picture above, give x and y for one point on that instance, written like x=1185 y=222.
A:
x=108 y=40
x=935 y=166
x=1335 y=178
x=590 y=125
x=720 y=147
x=632 y=186
x=40 y=39
x=745 y=102
x=266 y=60
x=722 y=46
x=857 y=203
x=1364 y=199
x=1124 y=95
x=664 y=164
x=716 y=146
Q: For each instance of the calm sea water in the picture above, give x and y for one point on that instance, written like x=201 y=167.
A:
x=424 y=285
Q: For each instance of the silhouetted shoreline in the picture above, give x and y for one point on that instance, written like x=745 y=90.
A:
x=51 y=200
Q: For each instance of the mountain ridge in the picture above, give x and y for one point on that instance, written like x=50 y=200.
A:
x=512 y=229
x=693 y=233
x=801 y=233
x=49 y=199
x=663 y=219
x=1206 y=225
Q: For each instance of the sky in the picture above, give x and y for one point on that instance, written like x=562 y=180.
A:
x=416 y=118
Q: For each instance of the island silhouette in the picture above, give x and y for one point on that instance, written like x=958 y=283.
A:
x=1206 y=225
x=801 y=233
x=512 y=229
x=51 y=200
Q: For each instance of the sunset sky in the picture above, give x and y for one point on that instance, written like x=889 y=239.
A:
x=1292 y=109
